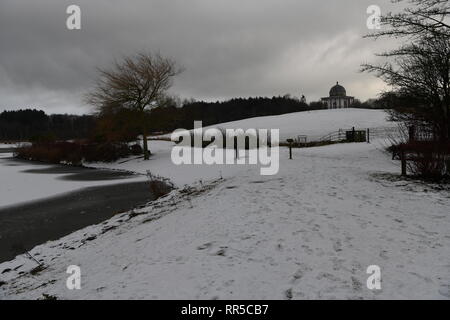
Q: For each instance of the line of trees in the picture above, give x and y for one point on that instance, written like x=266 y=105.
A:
x=32 y=124
x=124 y=124
x=234 y=109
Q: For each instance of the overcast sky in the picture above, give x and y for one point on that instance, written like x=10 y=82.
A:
x=229 y=48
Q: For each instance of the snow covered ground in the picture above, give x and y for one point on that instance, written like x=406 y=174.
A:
x=13 y=145
x=160 y=164
x=310 y=231
x=23 y=186
x=313 y=124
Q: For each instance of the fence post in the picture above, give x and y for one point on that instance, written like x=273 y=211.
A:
x=403 y=159
x=368 y=135
x=290 y=148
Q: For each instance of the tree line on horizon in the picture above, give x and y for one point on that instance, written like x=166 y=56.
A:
x=32 y=124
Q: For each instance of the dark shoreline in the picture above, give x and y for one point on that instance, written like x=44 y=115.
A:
x=25 y=226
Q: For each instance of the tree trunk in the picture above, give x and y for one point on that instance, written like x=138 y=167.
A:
x=145 y=143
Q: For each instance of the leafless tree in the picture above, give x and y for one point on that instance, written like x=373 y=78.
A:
x=419 y=68
x=421 y=17
x=139 y=82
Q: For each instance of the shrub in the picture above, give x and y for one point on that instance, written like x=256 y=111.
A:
x=52 y=152
x=427 y=160
x=105 y=152
x=136 y=149
x=159 y=186
x=74 y=152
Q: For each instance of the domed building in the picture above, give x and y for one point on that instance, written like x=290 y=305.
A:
x=338 y=98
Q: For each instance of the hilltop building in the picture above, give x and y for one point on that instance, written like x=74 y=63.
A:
x=338 y=98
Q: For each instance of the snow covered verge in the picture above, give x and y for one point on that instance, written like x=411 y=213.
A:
x=310 y=231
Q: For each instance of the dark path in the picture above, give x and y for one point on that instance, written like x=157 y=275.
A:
x=23 y=227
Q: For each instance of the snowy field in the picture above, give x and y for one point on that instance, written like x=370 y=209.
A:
x=314 y=124
x=309 y=232
x=160 y=164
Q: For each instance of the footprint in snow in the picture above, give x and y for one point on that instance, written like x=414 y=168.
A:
x=337 y=246
x=298 y=275
x=356 y=284
x=445 y=291
x=204 y=246
x=288 y=294
x=221 y=251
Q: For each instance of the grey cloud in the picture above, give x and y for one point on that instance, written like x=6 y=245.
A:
x=228 y=48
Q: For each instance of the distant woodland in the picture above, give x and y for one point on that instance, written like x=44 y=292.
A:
x=32 y=124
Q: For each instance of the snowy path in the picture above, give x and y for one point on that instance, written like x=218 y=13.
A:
x=309 y=232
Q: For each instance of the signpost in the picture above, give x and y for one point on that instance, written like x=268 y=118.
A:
x=290 y=141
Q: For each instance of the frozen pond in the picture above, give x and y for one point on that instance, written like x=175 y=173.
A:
x=22 y=181
x=41 y=202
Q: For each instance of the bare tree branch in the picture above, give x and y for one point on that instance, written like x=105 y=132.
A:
x=137 y=82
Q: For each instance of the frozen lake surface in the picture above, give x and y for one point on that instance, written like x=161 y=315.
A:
x=41 y=202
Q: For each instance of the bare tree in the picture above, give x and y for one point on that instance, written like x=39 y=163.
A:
x=421 y=17
x=139 y=82
x=419 y=69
